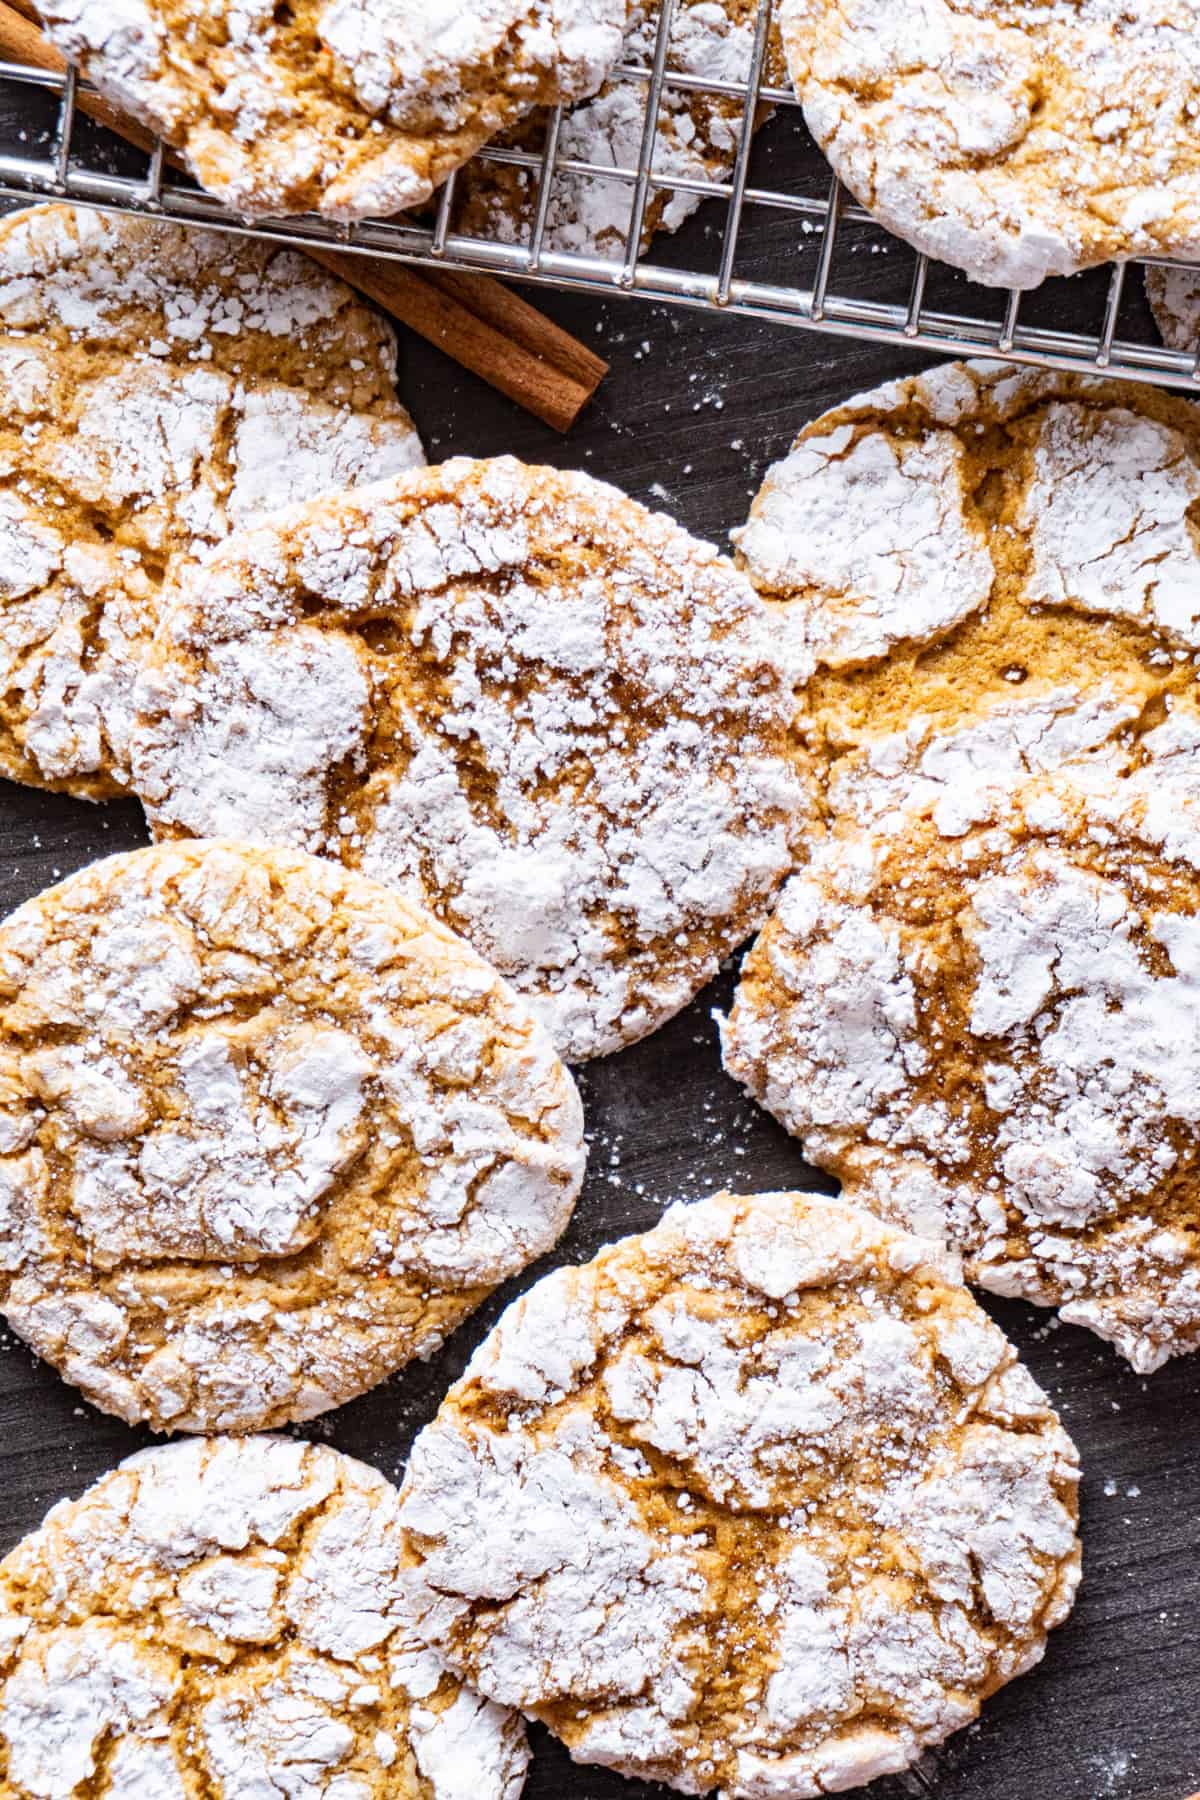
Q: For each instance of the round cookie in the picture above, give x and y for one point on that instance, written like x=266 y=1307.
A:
x=269 y=1132
x=980 y=574
x=160 y=387
x=992 y=1037
x=350 y=108
x=227 y=1617
x=697 y=139
x=760 y=1502
x=1016 y=139
x=511 y=693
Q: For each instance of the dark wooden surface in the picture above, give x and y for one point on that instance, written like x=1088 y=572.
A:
x=694 y=411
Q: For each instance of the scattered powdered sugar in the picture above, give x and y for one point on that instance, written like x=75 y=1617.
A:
x=269 y=1131
x=367 y=119
x=512 y=694
x=988 y=1031
x=111 y=1659
x=160 y=388
x=697 y=139
x=1015 y=141
x=665 y=1508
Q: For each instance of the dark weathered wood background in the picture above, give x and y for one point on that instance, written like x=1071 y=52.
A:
x=694 y=411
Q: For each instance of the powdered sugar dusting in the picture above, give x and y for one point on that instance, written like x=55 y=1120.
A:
x=113 y=1664
x=160 y=388
x=985 y=1030
x=512 y=694
x=284 y=1133
x=1015 y=141
x=392 y=97
x=714 y=1617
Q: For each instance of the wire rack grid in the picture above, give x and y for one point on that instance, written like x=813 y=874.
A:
x=816 y=299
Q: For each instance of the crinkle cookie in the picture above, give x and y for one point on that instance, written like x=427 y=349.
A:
x=760 y=1502
x=980 y=574
x=1014 y=139
x=511 y=693
x=159 y=388
x=993 y=1037
x=269 y=1132
x=698 y=137
x=1174 y=296
x=230 y=1617
x=345 y=107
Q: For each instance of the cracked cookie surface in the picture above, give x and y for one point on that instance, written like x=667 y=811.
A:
x=760 y=1503
x=982 y=574
x=512 y=693
x=269 y=1132
x=161 y=387
x=697 y=138
x=992 y=1037
x=1014 y=139
x=230 y=1616
x=350 y=108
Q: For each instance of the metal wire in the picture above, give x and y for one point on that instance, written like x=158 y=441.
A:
x=816 y=294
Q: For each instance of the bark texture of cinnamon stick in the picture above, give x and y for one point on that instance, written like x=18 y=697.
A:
x=474 y=319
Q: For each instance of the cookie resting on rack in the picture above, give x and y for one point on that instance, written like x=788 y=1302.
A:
x=513 y=694
x=981 y=574
x=1174 y=296
x=760 y=1503
x=992 y=1036
x=350 y=108
x=160 y=387
x=1015 y=139
x=230 y=1617
x=269 y=1133
x=697 y=139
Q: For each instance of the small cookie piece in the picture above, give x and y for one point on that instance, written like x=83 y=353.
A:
x=697 y=140
x=1174 y=296
x=229 y=1617
x=1014 y=140
x=345 y=107
x=993 y=1036
x=548 y=714
x=269 y=1132
x=160 y=387
x=760 y=1502
x=981 y=574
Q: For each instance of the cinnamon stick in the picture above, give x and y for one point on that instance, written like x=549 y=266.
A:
x=480 y=323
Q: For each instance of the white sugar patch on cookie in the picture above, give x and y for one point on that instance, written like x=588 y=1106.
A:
x=234 y=1611
x=271 y=1131
x=513 y=694
x=702 y=1453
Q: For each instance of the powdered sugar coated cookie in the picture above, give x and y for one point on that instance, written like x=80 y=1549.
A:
x=512 y=693
x=1016 y=139
x=225 y=1616
x=269 y=1132
x=345 y=107
x=760 y=1502
x=160 y=388
x=990 y=1034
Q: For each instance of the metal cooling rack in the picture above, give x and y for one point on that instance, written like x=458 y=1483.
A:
x=814 y=288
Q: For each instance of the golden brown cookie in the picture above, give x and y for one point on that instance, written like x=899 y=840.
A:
x=992 y=1035
x=160 y=387
x=269 y=1132
x=697 y=139
x=514 y=694
x=230 y=1617
x=345 y=107
x=1015 y=139
x=759 y=1503
x=979 y=574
